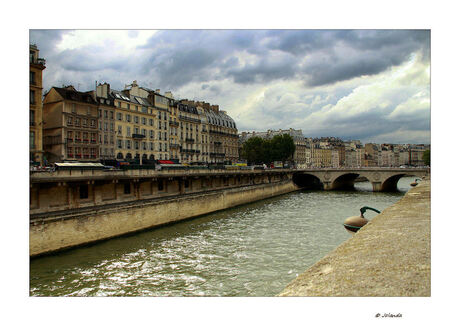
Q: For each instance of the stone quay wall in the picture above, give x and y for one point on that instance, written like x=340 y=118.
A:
x=56 y=233
x=388 y=257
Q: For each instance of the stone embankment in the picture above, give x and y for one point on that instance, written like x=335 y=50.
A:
x=389 y=257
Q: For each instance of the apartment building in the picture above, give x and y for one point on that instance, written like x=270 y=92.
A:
x=106 y=123
x=136 y=126
x=219 y=135
x=174 y=129
x=189 y=133
x=71 y=125
x=36 y=67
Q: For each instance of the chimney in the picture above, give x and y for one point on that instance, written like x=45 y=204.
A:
x=168 y=94
x=157 y=90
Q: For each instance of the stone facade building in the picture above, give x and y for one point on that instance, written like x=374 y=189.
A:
x=137 y=125
x=36 y=67
x=71 y=125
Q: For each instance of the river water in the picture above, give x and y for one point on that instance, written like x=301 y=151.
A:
x=251 y=250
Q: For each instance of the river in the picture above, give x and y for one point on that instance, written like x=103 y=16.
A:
x=250 y=250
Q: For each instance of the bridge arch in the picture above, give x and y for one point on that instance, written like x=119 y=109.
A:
x=344 y=181
x=307 y=181
x=391 y=183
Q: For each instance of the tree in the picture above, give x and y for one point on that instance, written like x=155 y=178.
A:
x=283 y=147
x=426 y=157
x=253 y=150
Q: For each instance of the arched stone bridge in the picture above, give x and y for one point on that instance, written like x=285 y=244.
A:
x=382 y=178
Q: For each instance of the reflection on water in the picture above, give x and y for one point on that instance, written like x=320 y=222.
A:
x=251 y=250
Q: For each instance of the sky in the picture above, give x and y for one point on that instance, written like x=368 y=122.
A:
x=370 y=84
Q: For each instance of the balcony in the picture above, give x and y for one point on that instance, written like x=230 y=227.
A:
x=173 y=123
x=217 y=154
x=181 y=117
x=189 y=140
x=138 y=136
x=174 y=146
x=69 y=140
x=191 y=151
x=38 y=61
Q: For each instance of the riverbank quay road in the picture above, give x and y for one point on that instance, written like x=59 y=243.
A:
x=388 y=257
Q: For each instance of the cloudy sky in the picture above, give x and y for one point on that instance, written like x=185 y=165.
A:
x=372 y=85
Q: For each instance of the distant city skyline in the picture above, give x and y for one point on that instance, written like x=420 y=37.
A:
x=371 y=85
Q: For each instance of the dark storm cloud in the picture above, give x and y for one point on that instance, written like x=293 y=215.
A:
x=263 y=71
x=46 y=39
x=175 y=58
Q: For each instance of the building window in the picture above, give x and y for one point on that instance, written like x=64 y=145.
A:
x=32 y=118
x=128 y=106
x=119 y=116
x=151 y=122
x=160 y=185
x=106 y=114
x=119 y=130
x=128 y=117
x=128 y=144
x=144 y=121
x=136 y=119
x=32 y=140
x=119 y=143
x=32 y=97
x=128 y=131
x=111 y=115
x=32 y=78
x=74 y=110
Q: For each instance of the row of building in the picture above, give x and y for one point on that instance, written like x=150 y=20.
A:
x=135 y=124
x=334 y=152
x=141 y=125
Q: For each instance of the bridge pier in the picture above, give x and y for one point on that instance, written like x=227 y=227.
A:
x=376 y=186
x=327 y=185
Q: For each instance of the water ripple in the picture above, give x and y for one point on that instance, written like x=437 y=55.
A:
x=251 y=250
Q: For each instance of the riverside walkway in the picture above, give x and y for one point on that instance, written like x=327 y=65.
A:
x=389 y=257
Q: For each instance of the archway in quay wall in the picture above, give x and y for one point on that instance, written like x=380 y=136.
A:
x=307 y=181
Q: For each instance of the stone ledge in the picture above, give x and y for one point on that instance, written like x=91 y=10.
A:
x=389 y=257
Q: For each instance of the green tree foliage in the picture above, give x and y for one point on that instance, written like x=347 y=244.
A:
x=253 y=149
x=257 y=150
x=283 y=147
x=426 y=157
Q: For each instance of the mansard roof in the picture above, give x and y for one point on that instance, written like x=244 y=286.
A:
x=69 y=93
